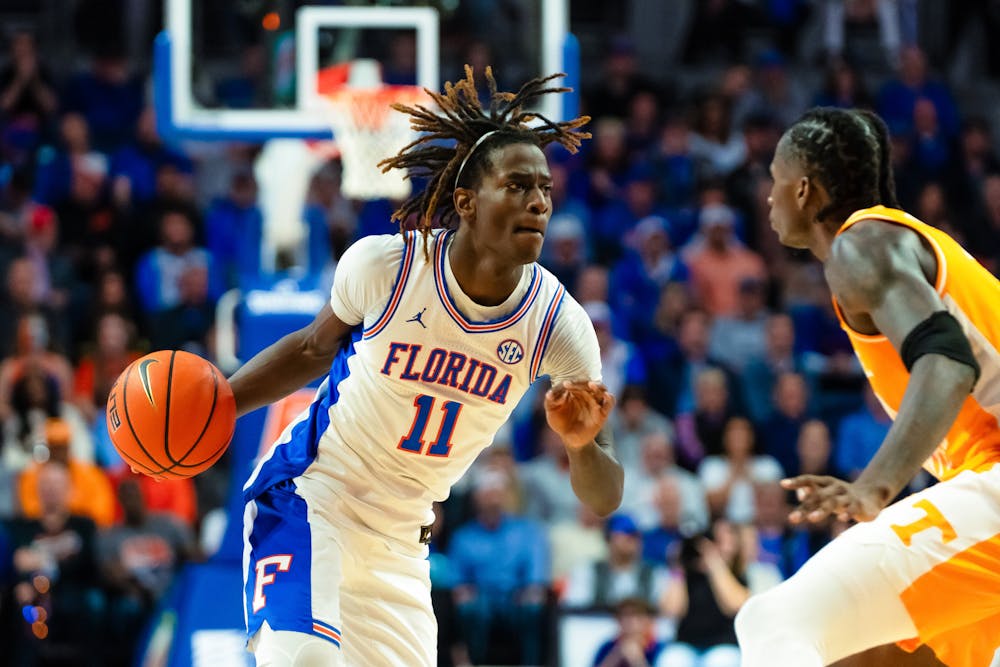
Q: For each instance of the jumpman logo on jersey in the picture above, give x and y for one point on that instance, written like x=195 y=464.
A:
x=416 y=318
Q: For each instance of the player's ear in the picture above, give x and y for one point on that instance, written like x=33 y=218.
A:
x=802 y=192
x=465 y=203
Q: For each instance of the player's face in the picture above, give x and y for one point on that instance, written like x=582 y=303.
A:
x=514 y=203
x=786 y=201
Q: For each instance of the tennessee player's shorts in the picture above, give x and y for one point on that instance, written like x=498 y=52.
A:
x=309 y=571
x=925 y=571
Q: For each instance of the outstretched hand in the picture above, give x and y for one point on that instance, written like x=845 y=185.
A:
x=820 y=496
x=577 y=411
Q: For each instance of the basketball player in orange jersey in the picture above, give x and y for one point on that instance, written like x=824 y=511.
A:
x=921 y=315
x=430 y=338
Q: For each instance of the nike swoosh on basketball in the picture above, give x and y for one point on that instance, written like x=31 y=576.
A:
x=144 y=378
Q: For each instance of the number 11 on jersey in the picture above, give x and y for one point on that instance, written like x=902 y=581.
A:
x=414 y=440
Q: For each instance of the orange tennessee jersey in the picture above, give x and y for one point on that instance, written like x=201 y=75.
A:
x=972 y=295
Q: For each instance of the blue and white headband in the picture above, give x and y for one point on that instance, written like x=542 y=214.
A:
x=472 y=150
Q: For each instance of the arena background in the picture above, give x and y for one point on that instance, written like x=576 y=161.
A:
x=142 y=208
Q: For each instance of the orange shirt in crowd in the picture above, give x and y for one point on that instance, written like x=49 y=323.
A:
x=91 y=496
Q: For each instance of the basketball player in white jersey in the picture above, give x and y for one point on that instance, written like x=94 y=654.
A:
x=429 y=340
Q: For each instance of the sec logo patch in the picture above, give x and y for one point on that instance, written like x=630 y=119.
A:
x=510 y=351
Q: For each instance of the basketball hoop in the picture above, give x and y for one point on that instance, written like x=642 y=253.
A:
x=367 y=130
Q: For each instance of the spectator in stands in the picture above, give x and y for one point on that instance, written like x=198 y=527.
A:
x=564 y=201
x=16 y=211
x=719 y=261
x=89 y=494
x=843 y=87
x=331 y=222
x=716 y=145
x=729 y=479
x=740 y=338
x=57 y=574
x=603 y=584
x=700 y=430
x=636 y=644
x=134 y=164
x=631 y=422
x=110 y=353
x=814 y=449
x=859 y=436
x=25 y=296
x=778 y=543
x=607 y=163
x=501 y=567
x=56 y=284
x=671 y=386
x=780 y=432
x=174 y=193
x=620 y=363
x=707 y=587
x=984 y=236
x=565 y=252
x=839 y=15
x=620 y=81
x=33 y=387
x=898 y=98
x=642 y=123
x=91 y=230
x=33 y=398
x=186 y=325
x=592 y=284
x=780 y=356
x=748 y=185
x=639 y=498
x=932 y=208
x=975 y=159
x=27 y=98
x=545 y=481
x=160 y=272
x=138 y=560
x=111 y=295
x=647 y=266
x=675 y=518
x=109 y=96
x=234 y=228
x=657 y=337
x=615 y=220
x=774 y=91
x=932 y=149
x=575 y=542
x=56 y=165
x=674 y=166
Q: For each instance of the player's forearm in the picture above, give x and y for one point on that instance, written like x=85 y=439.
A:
x=934 y=396
x=276 y=372
x=597 y=478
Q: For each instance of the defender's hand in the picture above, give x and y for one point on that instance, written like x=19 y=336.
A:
x=577 y=411
x=820 y=496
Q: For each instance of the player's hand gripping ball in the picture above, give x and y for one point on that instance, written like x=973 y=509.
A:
x=171 y=414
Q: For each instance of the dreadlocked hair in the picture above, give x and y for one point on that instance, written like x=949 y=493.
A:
x=464 y=121
x=848 y=151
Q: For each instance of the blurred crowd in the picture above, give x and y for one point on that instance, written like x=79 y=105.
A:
x=722 y=348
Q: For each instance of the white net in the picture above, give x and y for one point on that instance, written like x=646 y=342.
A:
x=366 y=131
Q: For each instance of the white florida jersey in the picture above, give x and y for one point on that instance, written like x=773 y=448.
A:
x=422 y=389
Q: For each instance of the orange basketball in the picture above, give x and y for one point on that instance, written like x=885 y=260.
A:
x=171 y=414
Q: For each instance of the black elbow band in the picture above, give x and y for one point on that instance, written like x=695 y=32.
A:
x=938 y=334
